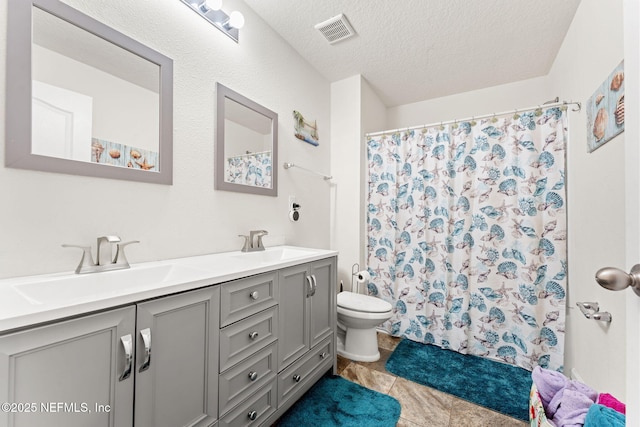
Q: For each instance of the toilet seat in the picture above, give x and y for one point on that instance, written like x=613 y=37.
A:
x=362 y=303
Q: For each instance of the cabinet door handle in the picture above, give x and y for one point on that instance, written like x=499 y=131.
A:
x=315 y=285
x=310 y=286
x=297 y=378
x=128 y=356
x=252 y=415
x=253 y=335
x=323 y=355
x=253 y=375
x=254 y=295
x=146 y=339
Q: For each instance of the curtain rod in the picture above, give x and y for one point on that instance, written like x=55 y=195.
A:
x=288 y=165
x=519 y=110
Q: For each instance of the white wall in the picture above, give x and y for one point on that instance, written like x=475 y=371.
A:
x=40 y=211
x=596 y=199
x=595 y=182
x=632 y=200
x=346 y=108
x=355 y=110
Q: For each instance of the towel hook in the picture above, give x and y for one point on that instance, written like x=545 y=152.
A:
x=591 y=310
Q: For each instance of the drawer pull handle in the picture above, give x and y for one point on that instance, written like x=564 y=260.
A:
x=146 y=338
x=128 y=356
x=252 y=415
x=254 y=295
x=253 y=375
x=323 y=355
x=253 y=335
x=296 y=378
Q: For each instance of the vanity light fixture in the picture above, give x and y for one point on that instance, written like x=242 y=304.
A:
x=211 y=10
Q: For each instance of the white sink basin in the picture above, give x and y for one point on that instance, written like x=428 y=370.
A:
x=270 y=255
x=57 y=289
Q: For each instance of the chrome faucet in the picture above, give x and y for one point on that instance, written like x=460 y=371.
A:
x=104 y=259
x=250 y=242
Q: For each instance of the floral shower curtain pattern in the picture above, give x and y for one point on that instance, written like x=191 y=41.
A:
x=467 y=235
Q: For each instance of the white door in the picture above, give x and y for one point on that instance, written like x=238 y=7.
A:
x=632 y=178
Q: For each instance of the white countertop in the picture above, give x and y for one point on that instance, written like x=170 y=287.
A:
x=31 y=300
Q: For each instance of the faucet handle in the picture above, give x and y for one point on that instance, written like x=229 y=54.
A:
x=246 y=245
x=120 y=257
x=260 y=234
x=86 y=260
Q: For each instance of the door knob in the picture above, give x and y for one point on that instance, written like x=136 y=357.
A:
x=615 y=279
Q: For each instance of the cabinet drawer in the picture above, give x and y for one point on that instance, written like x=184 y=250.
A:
x=259 y=406
x=296 y=375
x=243 y=338
x=239 y=382
x=245 y=297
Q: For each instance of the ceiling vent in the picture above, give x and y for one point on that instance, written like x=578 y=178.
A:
x=336 y=29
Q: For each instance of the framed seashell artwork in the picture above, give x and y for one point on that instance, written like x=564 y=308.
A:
x=605 y=110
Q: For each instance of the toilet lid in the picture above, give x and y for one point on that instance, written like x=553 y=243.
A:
x=364 y=303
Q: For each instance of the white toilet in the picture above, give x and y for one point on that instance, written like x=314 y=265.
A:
x=358 y=316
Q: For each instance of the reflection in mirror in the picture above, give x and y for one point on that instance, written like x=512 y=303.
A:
x=98 y=99
x=246 y=145
x=79 y=82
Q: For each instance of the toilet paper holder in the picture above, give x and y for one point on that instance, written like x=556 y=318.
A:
x=355 y=268
x=355 y=278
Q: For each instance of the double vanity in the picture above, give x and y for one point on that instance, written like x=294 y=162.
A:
x=229 y=339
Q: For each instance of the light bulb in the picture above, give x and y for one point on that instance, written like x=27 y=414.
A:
x=213 y=4
x=236 y=20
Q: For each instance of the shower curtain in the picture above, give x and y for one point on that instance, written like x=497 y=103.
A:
x=466 y=235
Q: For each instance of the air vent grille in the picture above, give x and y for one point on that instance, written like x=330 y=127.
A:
x=336 y=29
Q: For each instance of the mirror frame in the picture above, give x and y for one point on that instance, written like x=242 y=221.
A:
x=222 y=93
x=19 y=92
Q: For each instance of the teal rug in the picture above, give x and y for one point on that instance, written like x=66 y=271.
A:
x=498 y=386
x=334 y=401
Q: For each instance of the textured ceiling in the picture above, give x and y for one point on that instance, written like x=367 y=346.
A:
x=413 y=50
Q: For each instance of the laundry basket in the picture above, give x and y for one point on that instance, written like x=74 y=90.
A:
x=536 y=411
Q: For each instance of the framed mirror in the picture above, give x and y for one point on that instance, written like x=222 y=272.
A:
x=85 y=99
x=246 y=145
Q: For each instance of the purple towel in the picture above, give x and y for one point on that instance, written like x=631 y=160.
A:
x=573 y=408
x=548 y=383
x=563 y=398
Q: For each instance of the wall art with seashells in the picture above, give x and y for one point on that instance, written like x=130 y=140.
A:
x=122 y=155
x=605 y=110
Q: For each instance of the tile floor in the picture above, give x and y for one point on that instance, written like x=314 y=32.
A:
x=421 y=406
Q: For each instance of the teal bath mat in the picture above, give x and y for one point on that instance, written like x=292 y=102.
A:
x=334 y=401
x=494 y=385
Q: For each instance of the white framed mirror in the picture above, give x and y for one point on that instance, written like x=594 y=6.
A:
x=246 y=145
x=85 y=99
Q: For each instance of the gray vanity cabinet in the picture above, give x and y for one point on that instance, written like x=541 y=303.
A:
x=82 y=364
x=177 y=380
x=293 y=314
x=72 y=373
x=307 y=308
x=236 y=354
